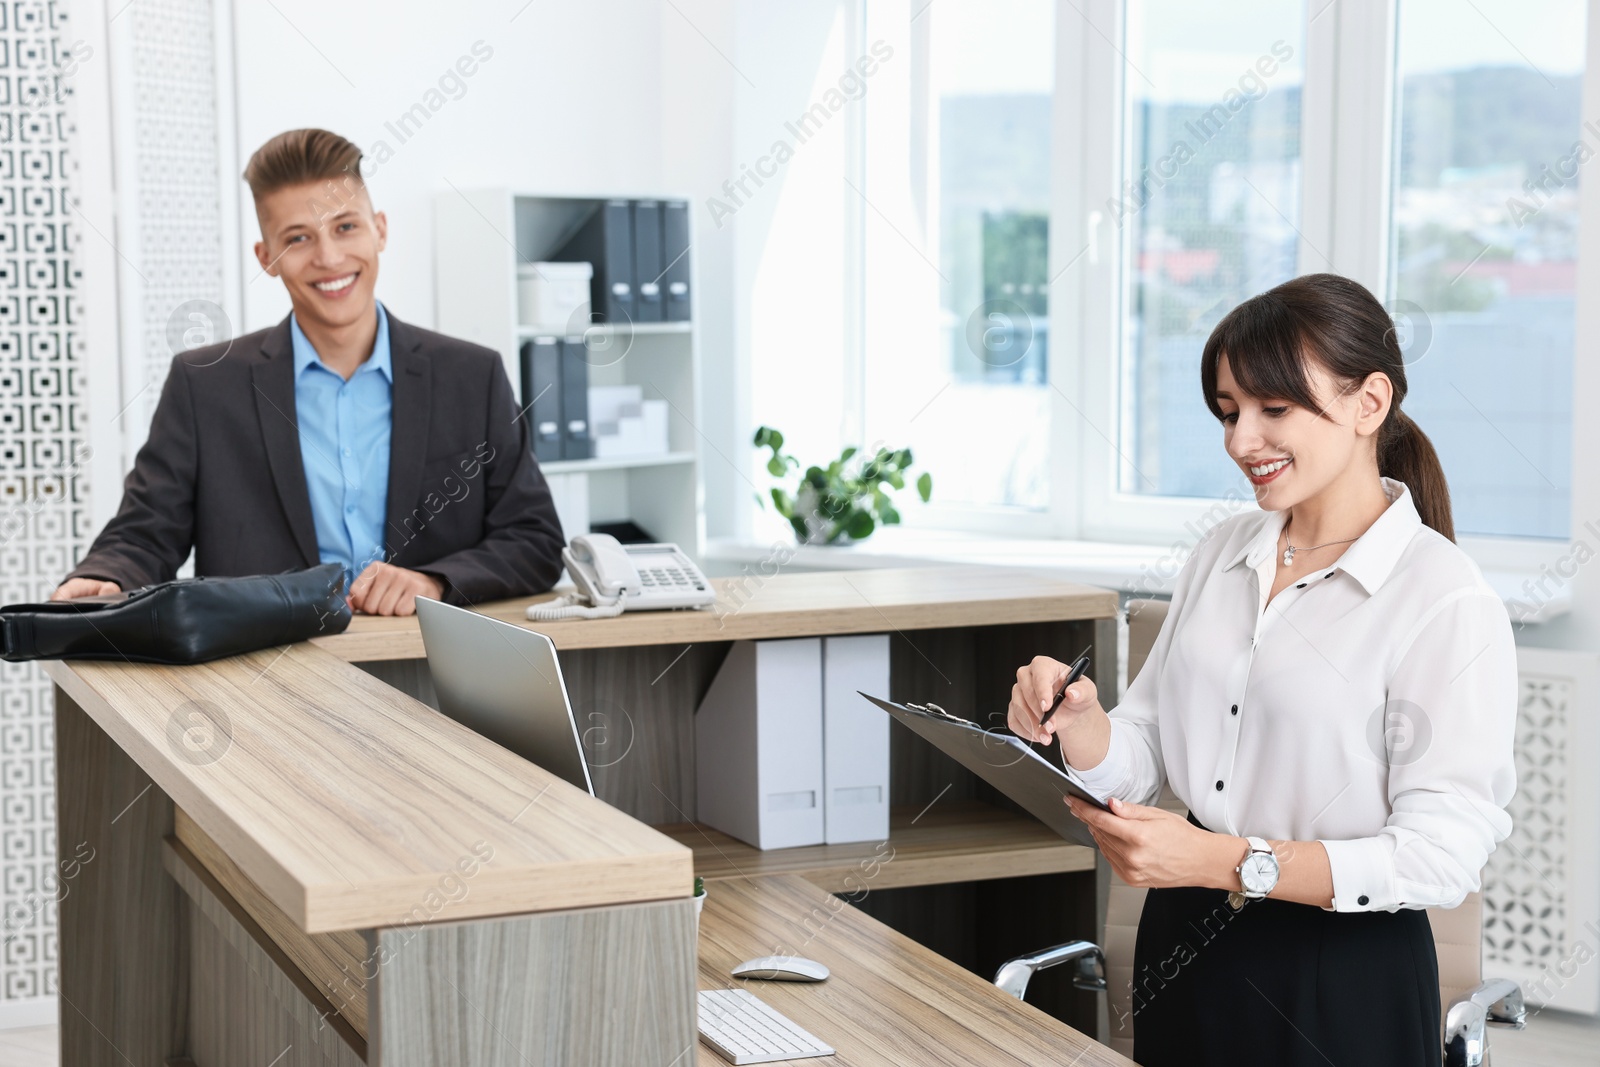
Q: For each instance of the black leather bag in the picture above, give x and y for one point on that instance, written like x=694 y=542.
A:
x=190 y=620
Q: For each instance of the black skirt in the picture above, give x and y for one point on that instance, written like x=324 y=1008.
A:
x=1282 y=983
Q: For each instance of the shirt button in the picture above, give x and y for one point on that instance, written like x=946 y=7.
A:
x=1235 y=709
x=1219 y=785
x=350 y=509
x=1362 y=900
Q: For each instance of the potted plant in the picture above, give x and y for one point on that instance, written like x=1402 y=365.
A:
x=844 y=501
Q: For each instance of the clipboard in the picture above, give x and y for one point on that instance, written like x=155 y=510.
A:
x=1005 y=761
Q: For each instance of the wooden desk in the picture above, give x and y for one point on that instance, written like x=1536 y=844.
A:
x=317 y=801
x=784 y=605
x=282 y=838
x=956 y=635
x=888 y=1001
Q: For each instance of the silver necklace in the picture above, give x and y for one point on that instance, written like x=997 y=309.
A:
x=1288 y=553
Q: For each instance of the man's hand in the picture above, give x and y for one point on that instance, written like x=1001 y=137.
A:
x=1154 y=848
x=73 y=588
x=384 y=589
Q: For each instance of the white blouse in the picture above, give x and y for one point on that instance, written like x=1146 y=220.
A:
x=1371 y=706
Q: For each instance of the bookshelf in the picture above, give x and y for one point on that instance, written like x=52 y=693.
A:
x=480 y=238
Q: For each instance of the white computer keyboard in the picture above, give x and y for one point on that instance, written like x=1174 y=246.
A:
x=743 y=1029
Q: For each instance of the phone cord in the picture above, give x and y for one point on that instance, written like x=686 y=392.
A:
x=573 y=606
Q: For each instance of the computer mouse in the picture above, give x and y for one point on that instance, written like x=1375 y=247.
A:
x=782 y=969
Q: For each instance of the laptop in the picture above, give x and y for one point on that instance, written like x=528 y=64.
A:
x=503 y=682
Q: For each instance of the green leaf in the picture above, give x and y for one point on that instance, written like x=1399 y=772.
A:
x=781 y=501
x=925 y=486
x=888 y=515
x=897 y=479
x=799 y=524
x=776 y=467
x=817 y=479
x=902 y=458
x=767 y=437
x=860 y=525
x=844 y=456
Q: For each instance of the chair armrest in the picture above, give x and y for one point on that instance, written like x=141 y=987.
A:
x=1498 y=1001
x=1089 y=960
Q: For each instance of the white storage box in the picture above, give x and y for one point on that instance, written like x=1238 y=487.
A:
x=554 y=296
x=624 y=423
x=787 y=752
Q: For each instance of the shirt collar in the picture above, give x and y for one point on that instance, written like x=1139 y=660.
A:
x=1372 y=557
x=305 y=355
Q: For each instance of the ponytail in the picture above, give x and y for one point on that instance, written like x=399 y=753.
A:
x=1406 y=455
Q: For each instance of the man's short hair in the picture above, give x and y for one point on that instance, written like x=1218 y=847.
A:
x=297 y=157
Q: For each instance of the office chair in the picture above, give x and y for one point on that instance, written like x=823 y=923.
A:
x=1470 y=1003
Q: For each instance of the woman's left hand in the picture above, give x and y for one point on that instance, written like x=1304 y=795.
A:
x=1153 y=848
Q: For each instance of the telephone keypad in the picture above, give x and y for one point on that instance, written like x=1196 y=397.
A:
x=661 y=577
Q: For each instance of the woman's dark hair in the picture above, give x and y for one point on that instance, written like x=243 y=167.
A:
x=1337 y=322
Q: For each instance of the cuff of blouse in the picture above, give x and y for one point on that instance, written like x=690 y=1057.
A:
x=1105 y=778
x=1363 y=875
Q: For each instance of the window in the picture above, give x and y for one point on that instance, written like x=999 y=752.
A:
x=1156 y=162
x=1483 y=248
x=1207 y=215
x=956 y=248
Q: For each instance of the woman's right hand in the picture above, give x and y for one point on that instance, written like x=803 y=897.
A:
x=1035 y=691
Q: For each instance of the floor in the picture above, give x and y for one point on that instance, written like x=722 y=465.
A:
x=32 y=1047
x=1552 y=1039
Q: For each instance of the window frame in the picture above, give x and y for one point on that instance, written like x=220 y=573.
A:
x=1347 y=129
x=1348 y=138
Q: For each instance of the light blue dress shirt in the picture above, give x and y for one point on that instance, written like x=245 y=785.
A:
x=344 y=444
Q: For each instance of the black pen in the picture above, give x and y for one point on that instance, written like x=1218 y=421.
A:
x=1078 y=667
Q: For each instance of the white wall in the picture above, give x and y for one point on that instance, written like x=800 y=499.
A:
x=568 y=102
x=604 y=97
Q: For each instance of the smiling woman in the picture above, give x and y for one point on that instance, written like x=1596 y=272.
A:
x=1317 y=330
x=1333 y=695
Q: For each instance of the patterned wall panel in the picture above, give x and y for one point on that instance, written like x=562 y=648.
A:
x=176 y=161
x=1541 y=889
x=44 y=522
x=1525 y=885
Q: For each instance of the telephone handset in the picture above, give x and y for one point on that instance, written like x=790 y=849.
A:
x=613 y=578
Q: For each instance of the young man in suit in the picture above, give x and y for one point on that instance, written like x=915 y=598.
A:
x=340 y=434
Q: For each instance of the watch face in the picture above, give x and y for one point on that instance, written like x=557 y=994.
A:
x=1259 y=873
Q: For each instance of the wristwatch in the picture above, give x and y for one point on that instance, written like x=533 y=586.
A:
x=1258 y=873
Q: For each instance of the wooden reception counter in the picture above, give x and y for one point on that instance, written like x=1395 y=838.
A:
x=788 y=605
x=290 y=857
x=288 y=794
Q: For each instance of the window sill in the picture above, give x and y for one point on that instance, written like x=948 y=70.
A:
x=1138 y=570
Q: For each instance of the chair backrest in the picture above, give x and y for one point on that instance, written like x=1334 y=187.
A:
x=1457 y=932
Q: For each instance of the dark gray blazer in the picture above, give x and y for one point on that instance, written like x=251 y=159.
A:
x=222 y=473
